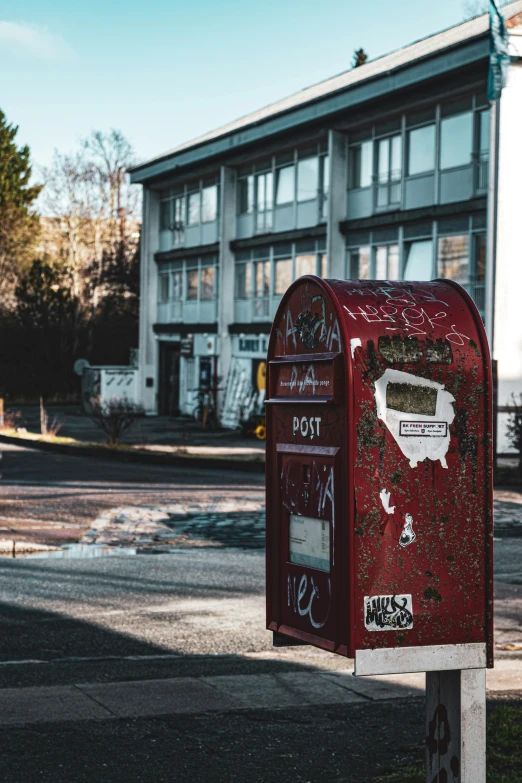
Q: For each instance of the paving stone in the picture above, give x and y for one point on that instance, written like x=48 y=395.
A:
x=20 y=706
x=160 y=697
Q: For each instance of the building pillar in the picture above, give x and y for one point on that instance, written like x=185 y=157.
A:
x=507 y=331
x=226 y=274
x=148 y=353
x=337 y=199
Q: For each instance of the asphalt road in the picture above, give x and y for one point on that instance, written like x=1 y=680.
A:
x=191 y=613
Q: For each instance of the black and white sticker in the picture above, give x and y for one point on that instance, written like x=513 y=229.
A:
x=388 y=612
x=424 y=429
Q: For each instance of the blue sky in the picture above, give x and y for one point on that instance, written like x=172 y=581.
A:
x=165 y=71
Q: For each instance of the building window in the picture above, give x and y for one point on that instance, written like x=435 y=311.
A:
x=323 y=267
x=163 y=292
x=305 y=265
x=194 y=208
x=179 y=219
x=419 y=260
x=389 y=171
x=207 y=283
x=325 y=185
x=243 y=280
x=192 y=285
x=307 y=179
x=387 y=262
x=282 y=275
x=456 y=141
x=421 y=150
x=209 y=204
x=264 y=200
x=285 y=185
x=177 y=285
x=359 y=263
x=165 y=220
x=361 y=165
x=453 y=258
x=245 y=195
x=483 y=149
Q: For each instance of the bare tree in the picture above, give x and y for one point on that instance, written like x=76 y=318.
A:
x=92 y=209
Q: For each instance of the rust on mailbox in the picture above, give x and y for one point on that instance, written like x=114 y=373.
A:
x=379 y=488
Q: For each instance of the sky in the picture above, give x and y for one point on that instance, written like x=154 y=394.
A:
x=165 y=71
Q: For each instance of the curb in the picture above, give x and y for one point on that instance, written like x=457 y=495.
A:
x=141 y=457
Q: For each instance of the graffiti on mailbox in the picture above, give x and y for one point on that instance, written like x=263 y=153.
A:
x=400 y=395
x=388 y=612
x=302 y=602
x=312 y=325
x=403 y=311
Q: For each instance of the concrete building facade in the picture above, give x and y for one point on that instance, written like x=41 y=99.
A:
x=397 y=170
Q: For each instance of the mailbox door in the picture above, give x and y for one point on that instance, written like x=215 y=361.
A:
x=307 y=531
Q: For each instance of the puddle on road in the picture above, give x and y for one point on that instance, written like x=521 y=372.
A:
x=88 y=551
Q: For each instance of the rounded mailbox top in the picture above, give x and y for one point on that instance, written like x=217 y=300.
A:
x=405 y=320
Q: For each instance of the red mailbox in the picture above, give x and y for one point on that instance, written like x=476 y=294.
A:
x=379 y=485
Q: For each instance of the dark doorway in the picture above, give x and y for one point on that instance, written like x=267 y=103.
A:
x=169 y=379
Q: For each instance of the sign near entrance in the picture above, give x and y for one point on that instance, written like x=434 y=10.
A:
x=187 y=347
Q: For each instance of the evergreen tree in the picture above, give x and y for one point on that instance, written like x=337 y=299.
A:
x=18 y=224
x=359 y=58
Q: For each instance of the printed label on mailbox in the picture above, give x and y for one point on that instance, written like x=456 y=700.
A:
x=388 y=612
x=303 y=379
x=424 y=429
x=309 y=542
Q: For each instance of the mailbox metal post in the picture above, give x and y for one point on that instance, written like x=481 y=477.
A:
x=379 y=490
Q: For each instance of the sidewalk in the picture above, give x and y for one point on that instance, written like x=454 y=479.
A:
x=194 y=695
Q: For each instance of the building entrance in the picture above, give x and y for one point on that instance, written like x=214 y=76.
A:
x=169 y=379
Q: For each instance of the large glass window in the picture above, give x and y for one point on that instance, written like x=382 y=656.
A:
x=307 y=179
x=165 y=219
x=243 y=280
x=421 y=150
x=325 y=184
x=456 y=141
x=179 y=213
x=283 y=274
x=163 y=292
x=389 y=170
x=285 y=185
x=305 y=265
x=177 y=284
x=484 y=133
x=209 y=204
x=361 y=165
x=387 y=262
x=480 y=258
x=246 y=195
x=323 y=265
x=453 y=258
x=207 y=283
x=359 y=263
x=264 y=200
x=192 y=284
x=194 y=208
x=419 y=260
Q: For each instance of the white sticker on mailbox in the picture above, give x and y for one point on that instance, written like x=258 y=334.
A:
x=424 y=429
x=388 y=612
x=309 y=542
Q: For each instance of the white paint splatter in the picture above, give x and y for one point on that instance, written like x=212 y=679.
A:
x=355 y=342
x=416 y=448
x=385 y=500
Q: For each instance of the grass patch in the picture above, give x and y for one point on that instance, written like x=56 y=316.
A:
x=504 y=750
